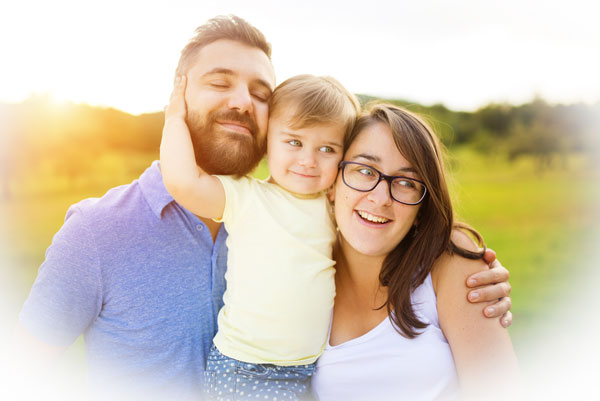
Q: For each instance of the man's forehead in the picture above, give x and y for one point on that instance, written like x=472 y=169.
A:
x=234 y=58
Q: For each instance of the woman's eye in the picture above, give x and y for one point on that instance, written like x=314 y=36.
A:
x=407 y=184
x=366 y=171
x=295 y=142
x=326 y=149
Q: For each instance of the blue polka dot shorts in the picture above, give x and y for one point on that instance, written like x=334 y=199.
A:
x=227 y=379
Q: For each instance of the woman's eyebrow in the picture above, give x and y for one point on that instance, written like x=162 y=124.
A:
x=407 y=170
x=377 y=159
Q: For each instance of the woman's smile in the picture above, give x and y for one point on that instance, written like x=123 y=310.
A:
x=372 y=218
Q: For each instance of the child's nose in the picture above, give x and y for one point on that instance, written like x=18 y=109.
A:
x=308 y=159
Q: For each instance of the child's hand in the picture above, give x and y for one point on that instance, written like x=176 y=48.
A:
x=177 y=108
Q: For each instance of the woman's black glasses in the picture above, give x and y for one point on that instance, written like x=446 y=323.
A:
x=365 y=178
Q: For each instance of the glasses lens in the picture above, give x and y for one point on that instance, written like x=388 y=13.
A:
x=360 y=177
x=407 y=190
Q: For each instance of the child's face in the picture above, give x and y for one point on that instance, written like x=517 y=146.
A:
x=304 y=161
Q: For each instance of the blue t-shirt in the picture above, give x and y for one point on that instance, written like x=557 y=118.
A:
x=140 y=277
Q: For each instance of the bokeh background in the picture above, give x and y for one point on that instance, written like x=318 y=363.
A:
x=511 y=87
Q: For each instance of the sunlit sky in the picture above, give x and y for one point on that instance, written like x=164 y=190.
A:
x=462 y=53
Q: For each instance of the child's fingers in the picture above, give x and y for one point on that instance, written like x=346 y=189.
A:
x=177 y=107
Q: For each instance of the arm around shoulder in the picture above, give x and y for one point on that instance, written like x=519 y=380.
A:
x=482 y=349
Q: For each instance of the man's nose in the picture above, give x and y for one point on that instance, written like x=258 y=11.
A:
x=241 y=100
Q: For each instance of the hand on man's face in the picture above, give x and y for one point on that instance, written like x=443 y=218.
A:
x=227 y=97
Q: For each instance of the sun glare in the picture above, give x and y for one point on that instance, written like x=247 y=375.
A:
x=469 y=55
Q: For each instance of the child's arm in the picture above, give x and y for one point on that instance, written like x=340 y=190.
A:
x=190 y=186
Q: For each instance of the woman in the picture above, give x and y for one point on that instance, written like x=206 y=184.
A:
x=402 y=327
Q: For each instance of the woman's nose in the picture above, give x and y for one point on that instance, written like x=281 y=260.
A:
x=381 y=193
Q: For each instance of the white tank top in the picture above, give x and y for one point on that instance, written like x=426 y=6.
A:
x=383 y=365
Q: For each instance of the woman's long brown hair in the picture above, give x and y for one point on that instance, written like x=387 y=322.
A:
x=409 y=263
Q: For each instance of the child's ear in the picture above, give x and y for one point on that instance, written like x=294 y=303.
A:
x=331 y=193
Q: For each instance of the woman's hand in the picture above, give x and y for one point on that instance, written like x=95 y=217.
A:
x=492 y=285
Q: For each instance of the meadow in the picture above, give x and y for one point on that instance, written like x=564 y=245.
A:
x=542 y=224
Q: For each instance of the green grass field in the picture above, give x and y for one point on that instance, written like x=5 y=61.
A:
x=543 y=227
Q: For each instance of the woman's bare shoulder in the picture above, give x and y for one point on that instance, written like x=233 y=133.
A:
x=452 y=266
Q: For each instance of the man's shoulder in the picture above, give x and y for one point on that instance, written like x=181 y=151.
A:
x=139 y=202
x=115 y=202
x=111 y=221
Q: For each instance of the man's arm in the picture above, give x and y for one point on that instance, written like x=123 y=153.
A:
x=27 y=367
x=66 y=296
x=200 y=193
x=30 y=352
x=492 y=286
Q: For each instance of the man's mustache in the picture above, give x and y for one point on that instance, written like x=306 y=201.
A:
x=232 y=115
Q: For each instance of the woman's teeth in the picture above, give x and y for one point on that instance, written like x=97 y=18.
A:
x=371 y=218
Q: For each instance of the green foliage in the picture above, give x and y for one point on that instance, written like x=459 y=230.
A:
x=495 y=119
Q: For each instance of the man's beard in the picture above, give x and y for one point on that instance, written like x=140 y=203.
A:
x=220 y=152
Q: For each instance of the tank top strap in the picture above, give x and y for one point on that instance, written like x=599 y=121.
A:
x=424 y=302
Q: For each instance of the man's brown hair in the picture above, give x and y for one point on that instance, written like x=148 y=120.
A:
x=229 y=27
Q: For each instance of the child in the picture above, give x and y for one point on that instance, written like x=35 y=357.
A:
x=280 y=275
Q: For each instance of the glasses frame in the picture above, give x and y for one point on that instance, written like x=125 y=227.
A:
x=382 y=177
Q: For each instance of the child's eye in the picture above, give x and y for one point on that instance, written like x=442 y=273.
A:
x=295 y=142
x=326 y=149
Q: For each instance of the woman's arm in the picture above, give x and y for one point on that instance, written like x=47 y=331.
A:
x=190 y=186
x=482 y=349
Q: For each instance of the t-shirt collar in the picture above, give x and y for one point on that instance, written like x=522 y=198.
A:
x=151 y=184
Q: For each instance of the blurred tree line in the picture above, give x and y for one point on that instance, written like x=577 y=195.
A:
x=45 y=146
x=546 y=132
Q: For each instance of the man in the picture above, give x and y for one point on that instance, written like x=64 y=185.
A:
x=141 y=277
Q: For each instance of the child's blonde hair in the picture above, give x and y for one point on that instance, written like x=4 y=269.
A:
x=315 y=100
